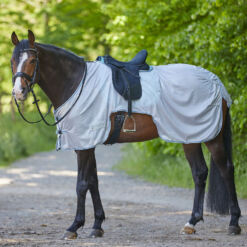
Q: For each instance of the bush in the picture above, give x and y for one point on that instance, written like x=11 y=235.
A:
x=210 y=34
x=19 y=139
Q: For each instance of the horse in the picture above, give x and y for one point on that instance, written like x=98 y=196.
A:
x=59 y=73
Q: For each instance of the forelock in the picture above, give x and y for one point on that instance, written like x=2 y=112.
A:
x=24 y=44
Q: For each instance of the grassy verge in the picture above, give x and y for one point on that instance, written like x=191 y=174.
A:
x=19 y=139
x=165 y=169
x=168 y=170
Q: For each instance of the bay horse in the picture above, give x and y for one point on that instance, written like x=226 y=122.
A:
x=58 y=72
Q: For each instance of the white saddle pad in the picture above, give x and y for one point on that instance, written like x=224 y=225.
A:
x=185 y=102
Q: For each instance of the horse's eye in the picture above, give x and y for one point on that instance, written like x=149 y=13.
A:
x=33 y=61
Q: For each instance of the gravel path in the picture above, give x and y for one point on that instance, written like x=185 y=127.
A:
x=38 y=200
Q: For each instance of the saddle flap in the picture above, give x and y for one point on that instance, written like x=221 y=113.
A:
x=126 y=84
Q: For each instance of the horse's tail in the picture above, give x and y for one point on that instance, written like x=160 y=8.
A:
x=218 y=198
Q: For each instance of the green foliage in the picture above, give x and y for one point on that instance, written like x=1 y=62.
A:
x=158 y=146
x=18 y=139
x=208 y=33
x=75 y=24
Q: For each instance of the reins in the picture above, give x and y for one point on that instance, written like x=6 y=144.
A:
x=30 y=89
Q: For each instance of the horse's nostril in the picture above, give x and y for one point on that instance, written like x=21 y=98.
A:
x=23 y=90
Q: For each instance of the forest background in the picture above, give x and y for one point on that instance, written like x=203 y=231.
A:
x=208 y=33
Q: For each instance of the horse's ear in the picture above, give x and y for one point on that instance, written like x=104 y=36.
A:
x=31 y=38
x=14 y=38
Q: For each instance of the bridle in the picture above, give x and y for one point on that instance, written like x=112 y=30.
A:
x=32 y=79
x=25 y=75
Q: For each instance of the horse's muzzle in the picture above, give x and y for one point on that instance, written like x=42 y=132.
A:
x=20 y=94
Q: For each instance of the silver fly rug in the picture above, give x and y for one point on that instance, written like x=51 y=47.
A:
x=185 y=102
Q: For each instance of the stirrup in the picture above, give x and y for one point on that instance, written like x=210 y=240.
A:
x=129 y=130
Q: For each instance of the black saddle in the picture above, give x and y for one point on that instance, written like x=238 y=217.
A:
x=125 y=75
x=139 y=60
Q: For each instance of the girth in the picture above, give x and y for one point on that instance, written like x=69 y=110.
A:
x=118 y=124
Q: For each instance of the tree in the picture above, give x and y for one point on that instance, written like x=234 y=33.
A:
x=77 y=25
x=211 y=34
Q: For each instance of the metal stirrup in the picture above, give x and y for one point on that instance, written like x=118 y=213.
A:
x=134 y=121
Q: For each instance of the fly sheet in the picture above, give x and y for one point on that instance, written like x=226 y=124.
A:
x=185 y=102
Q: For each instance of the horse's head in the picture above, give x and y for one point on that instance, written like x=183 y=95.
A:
x=24 y=64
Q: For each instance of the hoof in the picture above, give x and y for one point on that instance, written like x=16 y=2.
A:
x=97 y=233
x=69 y=235
x=188 y=229
x=234 y=230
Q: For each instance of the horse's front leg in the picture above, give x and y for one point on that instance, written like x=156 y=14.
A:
x=85 y=159
x=99 y=213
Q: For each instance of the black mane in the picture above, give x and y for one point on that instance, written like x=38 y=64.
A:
x=60 y=51
x=24 y=44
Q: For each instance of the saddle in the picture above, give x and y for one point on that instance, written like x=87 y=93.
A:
x=126 y=79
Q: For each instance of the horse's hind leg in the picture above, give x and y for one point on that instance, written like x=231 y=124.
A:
x=194 y=155
x=223 y=161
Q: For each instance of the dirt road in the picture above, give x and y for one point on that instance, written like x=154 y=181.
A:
x=38 y=200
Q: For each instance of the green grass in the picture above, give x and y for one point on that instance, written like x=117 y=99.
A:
x=241 y=185
x=19 y=139
x=161 y=169
x=168 y=170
